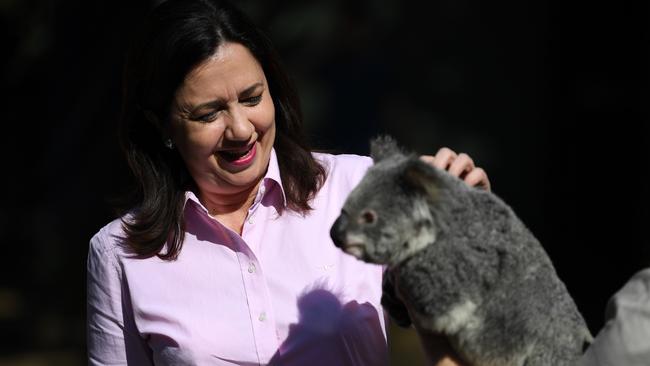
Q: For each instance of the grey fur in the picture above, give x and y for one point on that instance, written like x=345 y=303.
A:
x=463 y=261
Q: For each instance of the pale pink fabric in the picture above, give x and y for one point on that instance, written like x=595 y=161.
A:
x=280 y=294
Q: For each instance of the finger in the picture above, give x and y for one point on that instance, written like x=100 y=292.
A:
x=429 y=159
x=478 y=178
x=444 y=157
x=462 y=164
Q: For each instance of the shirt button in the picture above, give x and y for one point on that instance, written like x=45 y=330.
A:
x=251 y=268
x=262 y=316
x=262 y=189
x=250 y=220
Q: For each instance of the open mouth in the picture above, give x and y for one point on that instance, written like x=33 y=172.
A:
x=239 y=157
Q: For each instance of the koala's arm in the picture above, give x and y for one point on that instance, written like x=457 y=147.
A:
x=437 y=349
x=392 y=304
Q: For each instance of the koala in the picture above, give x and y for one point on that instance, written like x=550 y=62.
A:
x=463 y=263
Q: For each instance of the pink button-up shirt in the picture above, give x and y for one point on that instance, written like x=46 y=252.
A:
x=279 y=294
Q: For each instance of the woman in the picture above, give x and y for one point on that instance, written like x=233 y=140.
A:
x=225 y=258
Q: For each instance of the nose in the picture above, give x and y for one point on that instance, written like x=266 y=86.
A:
x=238 y=127
x=337 y=232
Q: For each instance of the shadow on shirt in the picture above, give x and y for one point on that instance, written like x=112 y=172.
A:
x=331 y=333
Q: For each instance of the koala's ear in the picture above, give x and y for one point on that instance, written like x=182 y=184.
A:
x=421 y=176
x=382 y=147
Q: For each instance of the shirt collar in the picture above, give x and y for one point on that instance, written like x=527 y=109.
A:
x=272 y=177
x=271 y=189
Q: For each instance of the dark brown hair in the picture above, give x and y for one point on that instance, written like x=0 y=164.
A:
x=176 y=37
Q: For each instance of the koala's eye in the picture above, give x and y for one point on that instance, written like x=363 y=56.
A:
x=368 y=217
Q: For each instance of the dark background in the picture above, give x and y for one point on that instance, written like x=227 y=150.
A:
x=550 y=97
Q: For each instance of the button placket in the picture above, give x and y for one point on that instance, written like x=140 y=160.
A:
x=259 y=306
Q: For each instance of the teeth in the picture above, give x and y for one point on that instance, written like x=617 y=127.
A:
x=234 y=154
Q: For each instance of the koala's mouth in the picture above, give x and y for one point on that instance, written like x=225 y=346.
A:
x=355 y=250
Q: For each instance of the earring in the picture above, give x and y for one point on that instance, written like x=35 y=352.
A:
x=169 y=144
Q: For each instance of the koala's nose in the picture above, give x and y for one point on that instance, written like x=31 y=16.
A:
x=337 y=232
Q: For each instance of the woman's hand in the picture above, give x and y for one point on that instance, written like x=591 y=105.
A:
x=459 y=165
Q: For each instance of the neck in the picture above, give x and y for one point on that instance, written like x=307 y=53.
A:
x=223 y=204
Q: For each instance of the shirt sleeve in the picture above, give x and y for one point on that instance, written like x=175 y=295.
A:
x=625 y=337
x=112 y=338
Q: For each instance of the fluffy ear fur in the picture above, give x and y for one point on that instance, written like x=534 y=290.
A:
x=421 y=176
x=382 y=147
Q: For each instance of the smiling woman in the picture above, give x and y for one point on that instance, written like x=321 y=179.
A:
x=203 y=80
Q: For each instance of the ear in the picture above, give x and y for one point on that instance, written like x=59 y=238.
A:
x=421 y=176
x=382 y=147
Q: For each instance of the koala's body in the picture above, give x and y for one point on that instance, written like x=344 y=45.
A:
x=467 y=267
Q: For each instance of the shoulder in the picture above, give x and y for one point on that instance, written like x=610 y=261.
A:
x=633 y=298
x=343 y=159
x=348 y=168
x=108 y=239
x=623 y=338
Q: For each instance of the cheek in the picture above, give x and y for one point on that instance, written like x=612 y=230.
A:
x=263 y=117
x=198 y=140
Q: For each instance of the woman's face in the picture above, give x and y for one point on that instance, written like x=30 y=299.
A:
x=223 y=121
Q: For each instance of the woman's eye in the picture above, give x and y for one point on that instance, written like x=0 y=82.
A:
x=253 y=100
x=207 y=117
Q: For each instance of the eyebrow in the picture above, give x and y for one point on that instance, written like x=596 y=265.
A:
x=217 y=102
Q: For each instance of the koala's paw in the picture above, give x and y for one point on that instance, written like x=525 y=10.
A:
x=395 y=308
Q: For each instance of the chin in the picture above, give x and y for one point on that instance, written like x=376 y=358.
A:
x=246 y=176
